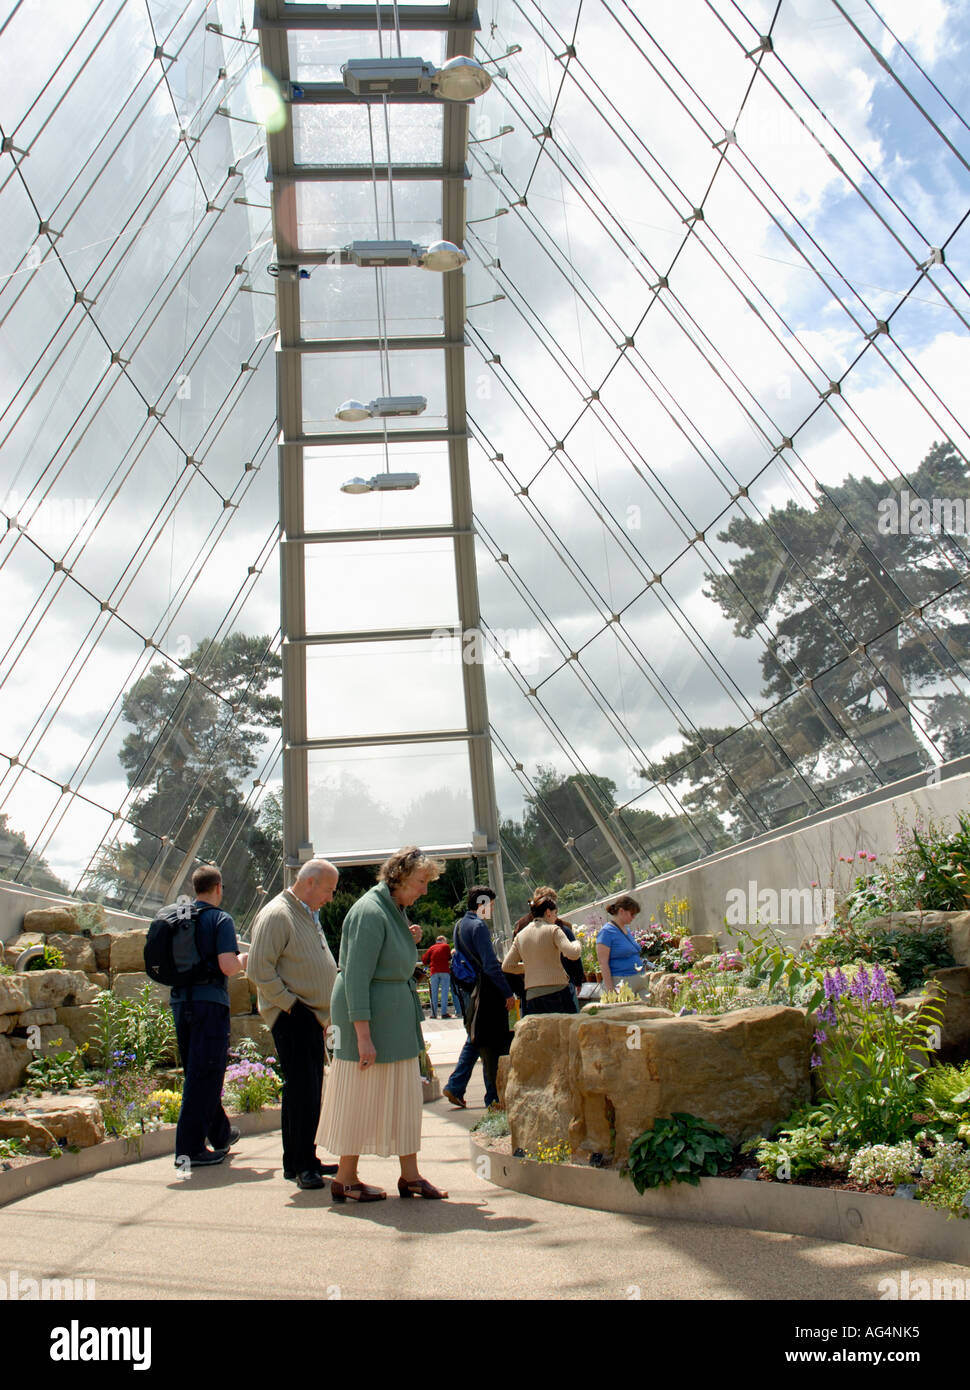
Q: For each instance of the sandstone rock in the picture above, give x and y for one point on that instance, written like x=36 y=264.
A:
x=76 y=1119
x=14 y=1058
x=102 y=949
x=501 y=1077
x=951 y=988
x=704 y=945
x=77 y=951
x=55 y=989
x=100 y=979
x=128 y=951
x=626 y=1013
x=578 y=1077
x=36 y=1018
x=13 y=994
x=55 y=1038
x=51 y=919
x=663 y=987
x=82 y=1024
x=131 y=983
x=252 y=1027
x=7 y=1023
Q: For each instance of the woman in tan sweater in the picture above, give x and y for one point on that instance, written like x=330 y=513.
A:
x=535 y=952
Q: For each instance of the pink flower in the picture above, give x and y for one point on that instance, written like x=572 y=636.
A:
x=862 y=854
x=872 y=858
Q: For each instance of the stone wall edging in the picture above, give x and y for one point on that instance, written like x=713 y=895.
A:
x=113 y=1153
x=849 y=1218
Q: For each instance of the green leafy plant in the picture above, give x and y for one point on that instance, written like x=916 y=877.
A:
x=13 y=1148
x=139 y=1026
x=886 y=1162
x=679 y=1149
x=798 y=1150
x=912 y=954
x=947 y=1088
x=51 y=959
x=249 y=1086
x=492 y=1126
x=868 y=1049
x=56 y=1071
x=767 y=961
x=127 y=1099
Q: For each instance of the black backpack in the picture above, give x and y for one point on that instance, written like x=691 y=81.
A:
x=173 y=955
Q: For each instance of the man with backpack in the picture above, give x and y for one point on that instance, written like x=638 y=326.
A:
x=201 y=1012
x=485 y=997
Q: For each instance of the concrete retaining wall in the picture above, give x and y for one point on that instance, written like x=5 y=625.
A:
x=853 y=1218
x=794 y=858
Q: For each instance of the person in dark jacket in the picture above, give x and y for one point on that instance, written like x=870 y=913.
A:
x=493 y=1037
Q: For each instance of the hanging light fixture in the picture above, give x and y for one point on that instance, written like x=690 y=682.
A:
x=383 y=408
x=460 y=79
x=383 y=482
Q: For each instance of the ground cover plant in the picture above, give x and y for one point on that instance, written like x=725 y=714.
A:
x=680 y=1148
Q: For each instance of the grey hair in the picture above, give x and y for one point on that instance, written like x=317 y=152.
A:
x=313 y=869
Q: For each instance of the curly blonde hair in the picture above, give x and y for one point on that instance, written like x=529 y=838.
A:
x=404 y=863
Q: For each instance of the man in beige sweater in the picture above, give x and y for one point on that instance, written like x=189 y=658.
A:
x=294 y=972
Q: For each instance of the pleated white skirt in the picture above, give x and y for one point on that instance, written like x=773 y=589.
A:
x=375 y=1111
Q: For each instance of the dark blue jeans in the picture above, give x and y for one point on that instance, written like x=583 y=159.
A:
x=202 y=1029
x=457 y=1082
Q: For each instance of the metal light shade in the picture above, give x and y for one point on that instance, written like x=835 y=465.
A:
x=394 y=482
x=462 y=79
x=352 y=410
x=443 y=255
x=356 y=485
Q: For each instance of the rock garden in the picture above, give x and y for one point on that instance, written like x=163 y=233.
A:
x=87 y=1041
x=841 y=1063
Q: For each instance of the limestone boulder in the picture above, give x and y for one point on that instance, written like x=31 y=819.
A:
x=54 y=1038
x=131 y=983
x=14 y=998
x=704 y=945
x=501 y=1077
x=950 y=988
x=7 y=1023
x=36 y=1018
x=55 y=989
x=663 y=987
x=77 y=951
x=42 y=1119
x=81 y=1022
x=252 y=1026
x=46 y=920
x=128 y=951
x=598 y=1082
x=15 y=1056
x=100 y=979
x=102 y=950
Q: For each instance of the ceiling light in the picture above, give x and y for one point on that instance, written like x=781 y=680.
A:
x=460 y=79
x=381 y=409
x=443 y=255
x=383 y=482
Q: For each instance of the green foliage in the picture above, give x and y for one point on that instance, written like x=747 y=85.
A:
x=52 y=959
x=797 y=1152
x=127 y=1100
x=938 y=864
x=947 y=1087
x=13 y=1148
x=57 y=1071
x=493 y=1125
x=768 y=961
x=679 y=1149
x=137 y=1028
x=250 y=1085
x=912 y=954
x=947 y=1193
x=871 y=1057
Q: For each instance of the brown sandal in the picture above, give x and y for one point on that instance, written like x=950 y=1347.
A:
x=419 y=1187
x=357 y=1192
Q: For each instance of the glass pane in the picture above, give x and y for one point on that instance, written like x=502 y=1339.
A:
x=28 y=803
x=352 y=586
x=335 y=214
x=326 y=469
x=329 y=379
x=347 y=687
x=383 y=798
x=341 y=135
x=341 y=301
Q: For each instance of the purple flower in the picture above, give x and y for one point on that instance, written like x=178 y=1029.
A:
x=816 y=1060
x=820 y=1037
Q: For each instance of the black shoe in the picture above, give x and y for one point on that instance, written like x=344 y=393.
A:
x=310 y=1179
x=234 y=1137
x=206 y=1159
x=326 y=1170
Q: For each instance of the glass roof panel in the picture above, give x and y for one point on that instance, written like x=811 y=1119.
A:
x=326 y=469
x=382 y=798
x=352 y=586
x=334 y=214
x=428 y=690
x=340 y=134
x=340 y=301
x=318 y=57
x=331 y=378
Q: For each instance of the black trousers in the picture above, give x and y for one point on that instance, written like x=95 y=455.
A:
x=202 y=1030
x=299 y=1042
x=562 y=1002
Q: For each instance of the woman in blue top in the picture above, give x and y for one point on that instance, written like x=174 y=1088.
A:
x=617 y=952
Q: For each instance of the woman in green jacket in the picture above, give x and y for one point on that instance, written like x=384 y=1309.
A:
x=373 y=1100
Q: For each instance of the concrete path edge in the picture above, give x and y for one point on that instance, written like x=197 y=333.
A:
x=850 y=1218
x=113 y=1153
